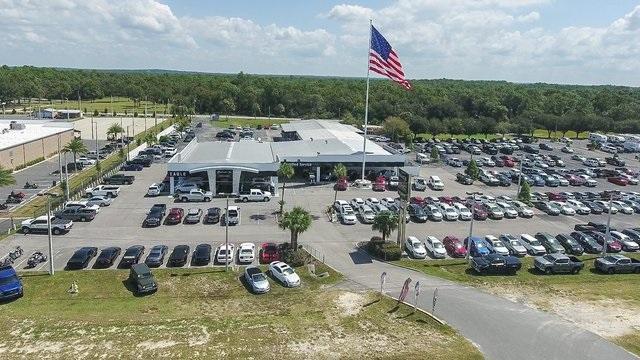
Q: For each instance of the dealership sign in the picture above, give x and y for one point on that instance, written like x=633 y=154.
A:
x=177 y=173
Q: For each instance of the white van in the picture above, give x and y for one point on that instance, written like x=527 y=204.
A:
x=435 y=183
x=422 y=158
x=598 y=137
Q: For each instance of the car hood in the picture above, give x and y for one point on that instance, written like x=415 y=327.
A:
x=146 y=281
x=10 y=287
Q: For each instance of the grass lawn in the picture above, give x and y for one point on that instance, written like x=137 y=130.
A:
x=207 y=313
x=544 y=134
x=224 y=123
x=610 y=296
x=120 y=104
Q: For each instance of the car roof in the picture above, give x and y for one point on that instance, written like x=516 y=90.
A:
x=6 y=271
x=247 y=244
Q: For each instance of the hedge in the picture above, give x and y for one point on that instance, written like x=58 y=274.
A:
x=385 y=250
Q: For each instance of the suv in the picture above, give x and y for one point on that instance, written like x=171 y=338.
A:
x=142 y=279
x=232 y=215
x=10 y=284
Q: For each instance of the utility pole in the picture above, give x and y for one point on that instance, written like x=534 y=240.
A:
x=49 y=196
x=59 y=158
x=520 y=158
x=473 y=215
x=66 y=177
x=226 y=235
x=128 y=143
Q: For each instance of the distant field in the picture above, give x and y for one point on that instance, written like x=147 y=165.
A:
x=120 y=104
x=605 y=304
x=207 y=314
x=225 y=123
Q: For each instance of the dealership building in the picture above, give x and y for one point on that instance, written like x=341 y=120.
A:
x=312 y=147
x=25 y=141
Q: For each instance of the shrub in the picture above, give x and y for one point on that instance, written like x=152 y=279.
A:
x=295 y=258
x=385 y=250
x=135 y=114
x=95 y=113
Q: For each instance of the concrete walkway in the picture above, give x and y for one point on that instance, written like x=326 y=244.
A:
x=500 y=328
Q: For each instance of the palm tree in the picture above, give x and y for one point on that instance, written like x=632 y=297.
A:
x=150 y=138
x=6 y=177
x=385 y=222
x=75 y=147
x=296 y=221
x=285 y=172
x=340 y=171
x=114 y=130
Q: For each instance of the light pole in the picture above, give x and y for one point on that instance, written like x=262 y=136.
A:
x=473 y=215
x=66 y=176
x=49 y=196
x=520 y=160
x=128 y=141
x=226 y=235
x=607 y=237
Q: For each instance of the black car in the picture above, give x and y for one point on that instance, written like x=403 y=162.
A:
x=464 y=179
x=634 y=234
x=589 y=244
x=496 y=264
x=225 y=135
x=142 y=280
x=179 y=256
x=417 y=213
x=504 y=180
x=594 y=207
x=145 y=161
x=107 y=257
x=131 y=167
x=156 y=256
x=530 y=149
x=550 y=243
x=212 y=216
x=201 y=255
x=81 y=258
x=571 y=245
x=131 y=256
x=545 y=146
x=154 y=218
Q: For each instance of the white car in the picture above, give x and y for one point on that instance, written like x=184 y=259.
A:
x=605 y=207
x=347 y=216
x=533 y=245
x=449 y=212
x=85 y=161
x=338 y=204
x=588 y=181
x=83 y=204
x=435 y=183
x=379 y=208
x=627 y=243
x=362 y=184
x=246 y=252
x=170 y=152
x=99 y=200
x=415 y=248
x=579 y=207
x=564 y=208
x=622 y=207
x=225 y=253
x=463 y=212
x=487 y=198
x=419 y=184
x=632 y=180
x=508 y=210
x=154 y=190
x=372 y=201
x=366 y=214
x=496 y=245
x=435 y=247
x=356 y=203
x=387 y=201
x=579 y=158
x=591 y=162
x=284 y=273
x=488 y=162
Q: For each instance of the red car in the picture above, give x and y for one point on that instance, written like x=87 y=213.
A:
x=380 y=184
x=618 y=180
x=342 y=184
x=446 y=199
x=479 y=213
x=175 y=216
x=613 y=245
x=269 y=252
x=509 y=163
x=454 y=247
x=417 y=200
x=556 y=196
x=574 y=180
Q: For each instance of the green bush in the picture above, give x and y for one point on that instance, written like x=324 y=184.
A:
x=385 y=250
x=95 y=113
x=295 y=258
x=28 y=163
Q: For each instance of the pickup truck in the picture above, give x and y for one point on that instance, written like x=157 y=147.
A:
x=39 y=224
x=195 y=195
x=103 y=190
x=615 y=161
x=256 y=195
x=612 y=264
x=558 y=263
x=155 y=215
x=119 y=179
x=76 y=214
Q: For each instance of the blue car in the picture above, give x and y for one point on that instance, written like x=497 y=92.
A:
x=537 y=180
x=10 y=284
x=478 y=246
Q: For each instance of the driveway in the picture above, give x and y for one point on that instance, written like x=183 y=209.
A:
x=500 y=328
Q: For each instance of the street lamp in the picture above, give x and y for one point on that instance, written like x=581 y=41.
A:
x=520 y=160
x=473 y=215
x=49 y=195
x=611 y=194
x=226 y=233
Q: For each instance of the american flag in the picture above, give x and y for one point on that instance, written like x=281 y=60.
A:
x=384 y=60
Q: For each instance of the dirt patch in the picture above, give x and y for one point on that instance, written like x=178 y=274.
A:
x=606 y=318
x=155 y=345
x=350 y=303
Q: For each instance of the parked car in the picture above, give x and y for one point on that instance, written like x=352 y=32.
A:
x=155 y=215
x=558 y=264
x=435 y=183
x=435 y=247
x=495 y=264
x=100 y=201
x=175 y=216
x=246 y=253
x=571 y=245
x=477 y=246
x=201 y=255
x=533 y=245
x=154 y=189
x=156 y=256
x=495 y=245
x=141 y=278
x=514 y=245
x=81 y=258
x=550 y=243
x=454 y=247
x=131 y=256
x=617 y=264
x=269 y=252
x=588 y=243
x=225 y=253
x=76 y=214
x=627 y=243
x=464 y=179
x=107 y=257
x=178 y=256
x=193 y=216
x=10 y=284
x=256 y=279
x=284 y=273
x=415 y=248
x=232 y=215
x=119 y=179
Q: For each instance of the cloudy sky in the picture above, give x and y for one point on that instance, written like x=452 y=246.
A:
x=557 y=41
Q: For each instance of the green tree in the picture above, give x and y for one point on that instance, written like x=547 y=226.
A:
x=75 y=146
x=385 y=222
x=150 y=138
x=6 y=177
x=396 y=128
x=114 y=130
x=297 y=221
x=435 y=155
x=525 y=193
x=340 y=171
x=285 y=172
x=472 y=170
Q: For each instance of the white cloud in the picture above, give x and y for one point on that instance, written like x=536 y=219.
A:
x=530 y=17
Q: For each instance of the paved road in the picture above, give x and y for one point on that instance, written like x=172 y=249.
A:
x=500 y=328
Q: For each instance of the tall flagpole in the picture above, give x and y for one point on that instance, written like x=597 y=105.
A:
x=366 y=106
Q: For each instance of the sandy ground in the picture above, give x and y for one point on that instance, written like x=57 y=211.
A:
x=136 y=125
x=606 y=318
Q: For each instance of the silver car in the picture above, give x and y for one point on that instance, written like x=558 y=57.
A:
x=99 y=200
x=257 y=280
x=366 y=214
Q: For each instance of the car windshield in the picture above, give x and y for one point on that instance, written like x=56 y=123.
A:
x=534 y=242
x=233 y=213
x=288 y=271
x=8 y=280
x=259 y=277
x=417 y=245
x=498 y=243
x=222 y=252
x=437 y=245
x=246 y=251
x=515 y=243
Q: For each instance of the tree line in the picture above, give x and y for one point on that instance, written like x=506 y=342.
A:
x=432 y=106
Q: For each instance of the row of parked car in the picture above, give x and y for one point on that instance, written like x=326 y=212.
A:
x=586 y=203
x=159 y=215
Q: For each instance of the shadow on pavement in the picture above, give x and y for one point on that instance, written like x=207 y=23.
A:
x=359 y=257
